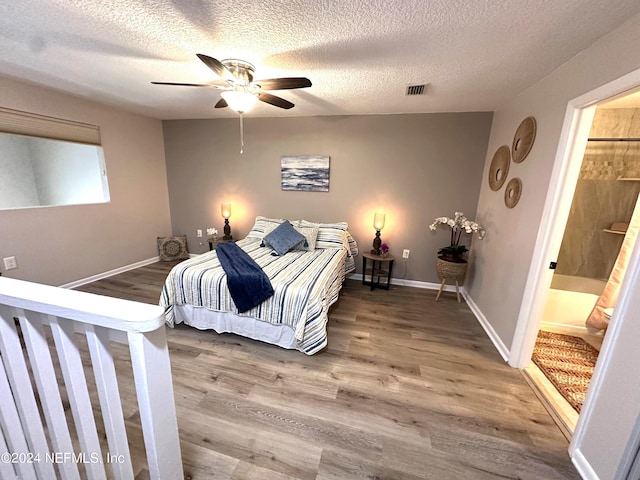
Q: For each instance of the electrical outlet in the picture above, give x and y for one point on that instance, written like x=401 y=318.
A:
x=405 y=253
x=10 y=263
x=198 y=233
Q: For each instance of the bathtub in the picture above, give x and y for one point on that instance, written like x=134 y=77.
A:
x=570 y=301
x=578 y=284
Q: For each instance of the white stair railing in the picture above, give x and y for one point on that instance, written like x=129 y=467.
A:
x=43 y=331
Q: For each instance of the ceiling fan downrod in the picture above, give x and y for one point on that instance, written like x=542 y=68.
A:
x=241 y=134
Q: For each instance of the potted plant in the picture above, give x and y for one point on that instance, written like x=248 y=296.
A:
x=450 y=263
x=459 y=224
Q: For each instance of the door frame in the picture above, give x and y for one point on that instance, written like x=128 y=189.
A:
x=564 y=177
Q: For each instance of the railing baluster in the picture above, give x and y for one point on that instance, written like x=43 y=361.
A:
x=109 y=394
x=76 y=383
x=11 y=428
x=22 y=391
x=49 y=393
x=152 y=374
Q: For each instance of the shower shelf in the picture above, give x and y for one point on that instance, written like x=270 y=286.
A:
x=617 y=232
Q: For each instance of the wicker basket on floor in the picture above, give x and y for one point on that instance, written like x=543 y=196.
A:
x=451 y=270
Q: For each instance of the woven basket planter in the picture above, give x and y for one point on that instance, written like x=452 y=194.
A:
x=451 y=270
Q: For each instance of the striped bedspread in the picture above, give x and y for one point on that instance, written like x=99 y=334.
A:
x=305 y=285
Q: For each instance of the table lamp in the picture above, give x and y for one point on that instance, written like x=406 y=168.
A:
x=225 y=211
x=378 y=224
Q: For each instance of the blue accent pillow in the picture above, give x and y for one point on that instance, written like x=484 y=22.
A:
x=284 y=238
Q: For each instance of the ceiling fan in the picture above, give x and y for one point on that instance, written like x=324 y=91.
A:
x=241 y=91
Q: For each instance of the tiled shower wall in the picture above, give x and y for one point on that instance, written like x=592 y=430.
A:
x=602 y=197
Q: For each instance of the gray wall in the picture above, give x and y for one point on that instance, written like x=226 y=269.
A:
x=411 y=167
x=496 y=284
x=58 y=245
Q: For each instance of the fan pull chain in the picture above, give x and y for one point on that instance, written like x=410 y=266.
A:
x=241 y=135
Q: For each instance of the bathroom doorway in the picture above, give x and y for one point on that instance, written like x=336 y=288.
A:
x=604 y=200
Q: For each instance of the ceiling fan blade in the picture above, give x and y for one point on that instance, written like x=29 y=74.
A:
x=284 y=83
x=184 y=84
x=273 y=100
x=216 y=66
x=222 y=103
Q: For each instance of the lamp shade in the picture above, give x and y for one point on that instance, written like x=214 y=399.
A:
x=239 y=100
x=378 y=220
x=225 y=210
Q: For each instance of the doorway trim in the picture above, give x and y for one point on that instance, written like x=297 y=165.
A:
x=571 y=146
x=564 y=177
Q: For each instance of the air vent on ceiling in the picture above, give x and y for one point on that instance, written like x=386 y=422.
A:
x=416 y=89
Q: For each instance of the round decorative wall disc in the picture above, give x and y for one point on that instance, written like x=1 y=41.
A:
x=499 y=167
x=512 y=192
x=523 y=139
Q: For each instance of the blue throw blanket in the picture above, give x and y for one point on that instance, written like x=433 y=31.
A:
x=248 y=285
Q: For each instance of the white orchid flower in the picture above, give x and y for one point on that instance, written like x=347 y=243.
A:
x=459 y=224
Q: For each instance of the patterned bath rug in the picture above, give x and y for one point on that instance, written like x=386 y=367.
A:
x=567 y=362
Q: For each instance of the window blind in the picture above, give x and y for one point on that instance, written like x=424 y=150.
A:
x=34 y=125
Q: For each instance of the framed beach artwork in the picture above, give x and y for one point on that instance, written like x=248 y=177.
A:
x=307 y=173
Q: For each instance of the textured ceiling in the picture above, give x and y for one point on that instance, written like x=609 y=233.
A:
x=359 y=54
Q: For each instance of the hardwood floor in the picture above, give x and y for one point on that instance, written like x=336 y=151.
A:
x=407 y=389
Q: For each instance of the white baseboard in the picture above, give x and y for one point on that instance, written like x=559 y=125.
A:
x=412 y=283
x=583 y=466
x=491 y=333
x=100 y=276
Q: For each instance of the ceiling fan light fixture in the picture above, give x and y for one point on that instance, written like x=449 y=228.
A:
x=239 y=100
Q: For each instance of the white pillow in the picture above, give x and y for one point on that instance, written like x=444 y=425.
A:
x=310 y=234
x=264 y=226
x=330 y=235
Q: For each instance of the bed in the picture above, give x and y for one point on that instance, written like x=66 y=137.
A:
x=306 y=281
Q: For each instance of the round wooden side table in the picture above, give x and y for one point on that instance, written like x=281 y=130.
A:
x=376 y=270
